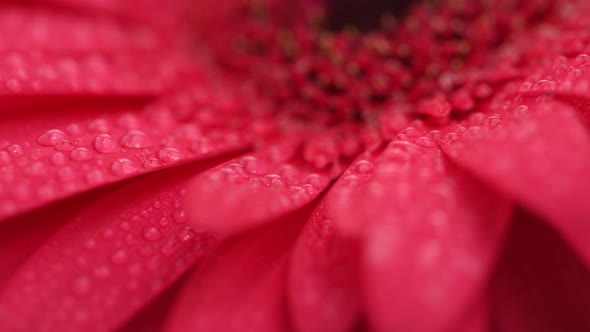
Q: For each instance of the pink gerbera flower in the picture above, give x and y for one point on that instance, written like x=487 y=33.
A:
x=268 y=165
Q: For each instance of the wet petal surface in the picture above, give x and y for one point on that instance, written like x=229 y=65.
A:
x=538 y=154
x=108 y=261
x=429 y=261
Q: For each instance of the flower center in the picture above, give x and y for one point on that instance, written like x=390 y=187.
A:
x=435 y=64
x=364 y=15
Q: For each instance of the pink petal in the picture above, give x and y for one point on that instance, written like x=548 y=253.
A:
x=431 y=236
x=151 y=10
x=261 y=186
x=23 y=235
x=323 y=285
x=540 y=285
x=56 y=153
x=46 y=28
x=350 y=222
x=108 y=261
x=152 y=317
x=25 y=73
x=476 y=318
x=240 y=288
x=538 y=154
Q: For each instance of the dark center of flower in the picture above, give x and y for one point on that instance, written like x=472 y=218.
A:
x=364 y=15
x=437 y=63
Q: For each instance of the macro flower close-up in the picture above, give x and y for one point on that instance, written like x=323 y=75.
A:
x=294 y=166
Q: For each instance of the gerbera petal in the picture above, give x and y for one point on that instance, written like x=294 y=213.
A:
x=476 y=318
x=22 y=236
x=566 y=79
x=60 y=152
x=428 y=261
x=241 y=287
x=261 y=186
x=39 y=73
x=47 y=28
x=323 y=285
x=538 y=154
x=108 y=261
x=540 y=285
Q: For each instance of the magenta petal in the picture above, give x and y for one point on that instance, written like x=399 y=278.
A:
x=241 y=287
x=108 y=261
x=538 y=154
x=260 y=187
x=540 y=285
x=58 y=153
x=46 y=28
x=323 y=285
x=89 y=73
x=425 y=263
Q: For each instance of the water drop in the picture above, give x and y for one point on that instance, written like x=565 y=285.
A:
x=119 y=257
x=108 y=234
x=492 y=121
x=64 y=145
x=425 y=142
x=136 y=139
x=99 y=126
x=51 y=137
x=363 y=167
x=74 y=129
x=15 y=150
x=123 y=166
x=179 y=216
x=152 y=163
x=81 y=154
x=104 y=143
x=102 y=272
x=81 y=285
x=170 y=155
x=35 y=169
x=125 y=226
x=152 y=233
x=94 y=177
x=186 y=234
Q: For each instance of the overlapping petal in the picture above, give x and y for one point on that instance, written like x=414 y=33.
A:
x=108 y=261
x=69 y=149
x=537 y=153
x=430 y=261
x=262 y=186
x=323 y=285
x=540 y=285
x=241 y=287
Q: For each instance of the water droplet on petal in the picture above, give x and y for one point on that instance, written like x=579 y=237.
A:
x=179 y=216
x=99 y=126
x=363 y=167
x=15 y=150
x=94 y=177
x=123 y=166
x=151 y=163
x=58 y=159
x=81 y=154
x=119 y=257
x=186 y=234
x=104 y=143
x=136 y=139
x=64 y=145
x=152 y=233
x=51 y=137
x=81 y=285
x=74 y=129
x=170 y=155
